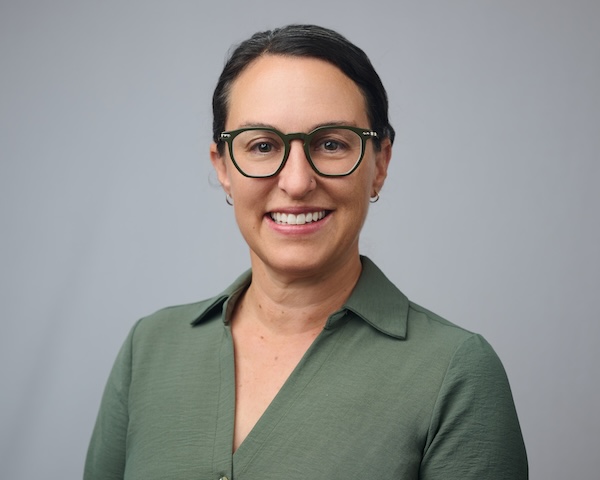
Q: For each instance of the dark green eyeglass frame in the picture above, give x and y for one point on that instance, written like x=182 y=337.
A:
x=363 y=133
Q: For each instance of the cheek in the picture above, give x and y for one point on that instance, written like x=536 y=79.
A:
x=236 y=181
x=363 y=189
x=357 y=202
x=366 y=179
x=249 y=195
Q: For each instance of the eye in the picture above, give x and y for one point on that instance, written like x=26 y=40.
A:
x=331 y=145
x=262 y=147
x=258 y=143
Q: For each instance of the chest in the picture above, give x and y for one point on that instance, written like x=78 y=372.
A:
x=332 y=412
x=262 y=367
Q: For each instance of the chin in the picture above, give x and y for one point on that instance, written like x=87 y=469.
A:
x=301 y=261
x=296 y=265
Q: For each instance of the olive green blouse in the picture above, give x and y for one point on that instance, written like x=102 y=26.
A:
x=388 y=390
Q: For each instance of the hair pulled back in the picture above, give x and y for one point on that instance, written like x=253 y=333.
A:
x=306 y=41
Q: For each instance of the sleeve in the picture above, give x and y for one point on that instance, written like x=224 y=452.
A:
x=106 y=453
x=474 y=431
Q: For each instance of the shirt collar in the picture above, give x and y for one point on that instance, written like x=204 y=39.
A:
x=378 y=302
x=374 y=299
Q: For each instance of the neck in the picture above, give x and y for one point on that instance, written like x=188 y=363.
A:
x=295 y=304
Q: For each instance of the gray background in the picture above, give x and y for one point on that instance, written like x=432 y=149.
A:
x=109 y=210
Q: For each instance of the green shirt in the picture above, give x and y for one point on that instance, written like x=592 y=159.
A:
x=388 y=390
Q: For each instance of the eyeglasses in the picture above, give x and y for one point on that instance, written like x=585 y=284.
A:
x=331 y=151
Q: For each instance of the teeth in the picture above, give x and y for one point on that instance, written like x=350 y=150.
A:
x=300 y=219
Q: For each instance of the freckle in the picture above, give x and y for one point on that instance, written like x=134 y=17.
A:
x=276 y=358
x=262 y=338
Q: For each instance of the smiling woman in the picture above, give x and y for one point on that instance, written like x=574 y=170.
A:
x=312 y=364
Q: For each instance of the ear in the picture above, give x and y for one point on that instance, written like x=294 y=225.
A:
x=220 y=167
x=382 y=161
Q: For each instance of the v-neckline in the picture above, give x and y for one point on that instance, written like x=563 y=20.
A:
x=284 y=400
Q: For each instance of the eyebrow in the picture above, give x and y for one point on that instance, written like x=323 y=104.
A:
x=335 y=123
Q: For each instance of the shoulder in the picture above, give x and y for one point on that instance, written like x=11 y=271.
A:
x=425 y=325
x=464 y=354
x=422 y=339
x=185 y=316
x=173 y=316
x=420 y=317
x=175 y=326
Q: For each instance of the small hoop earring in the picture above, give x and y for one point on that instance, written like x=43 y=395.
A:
x=375 y=198
x=229 y=199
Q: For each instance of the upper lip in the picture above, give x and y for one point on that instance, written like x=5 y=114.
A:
x=298 y=210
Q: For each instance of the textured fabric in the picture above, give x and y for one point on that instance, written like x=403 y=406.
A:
x=388 y=390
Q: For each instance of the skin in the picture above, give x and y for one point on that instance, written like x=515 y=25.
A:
x=301 y=273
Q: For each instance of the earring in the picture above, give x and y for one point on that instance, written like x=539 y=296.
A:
x=374 y=198
x=229 y=199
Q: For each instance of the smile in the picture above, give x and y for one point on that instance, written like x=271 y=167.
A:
x=297 y=219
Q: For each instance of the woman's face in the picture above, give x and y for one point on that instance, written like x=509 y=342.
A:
x=295 y=94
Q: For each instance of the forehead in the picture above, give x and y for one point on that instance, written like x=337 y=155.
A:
x=294 y=93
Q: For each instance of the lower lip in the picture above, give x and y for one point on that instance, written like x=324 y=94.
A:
x=304 y=229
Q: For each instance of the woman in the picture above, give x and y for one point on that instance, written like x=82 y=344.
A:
x=312 y=365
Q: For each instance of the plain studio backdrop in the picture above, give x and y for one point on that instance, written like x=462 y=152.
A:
x=109 y=210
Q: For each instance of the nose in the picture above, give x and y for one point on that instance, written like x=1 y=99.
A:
x=296 y=177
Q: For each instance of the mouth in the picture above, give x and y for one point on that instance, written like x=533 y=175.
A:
x=281 y=218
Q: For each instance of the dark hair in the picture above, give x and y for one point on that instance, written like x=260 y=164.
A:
x=306 y=41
